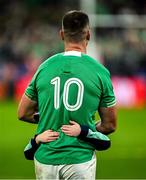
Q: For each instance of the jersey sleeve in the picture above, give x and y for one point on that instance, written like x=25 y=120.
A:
x=108 y=97
x=31 y=90
x=96 y=139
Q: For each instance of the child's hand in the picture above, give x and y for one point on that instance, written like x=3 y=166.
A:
x=73 y=129
x=47 y=136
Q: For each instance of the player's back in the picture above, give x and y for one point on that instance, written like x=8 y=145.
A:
x=69 y=87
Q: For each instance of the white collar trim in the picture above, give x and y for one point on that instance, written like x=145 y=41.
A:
x=72 y=53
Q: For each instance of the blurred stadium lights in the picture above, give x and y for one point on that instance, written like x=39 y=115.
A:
x=111 y=21
x=118 y=21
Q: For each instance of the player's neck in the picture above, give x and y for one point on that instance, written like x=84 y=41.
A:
x=81 y=47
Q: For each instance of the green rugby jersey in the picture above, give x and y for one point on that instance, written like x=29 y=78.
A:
x=69 y=86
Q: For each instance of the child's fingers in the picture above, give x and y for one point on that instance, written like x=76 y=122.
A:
x=53 y=134
x=66 y=127
x=49 y=130
x=49 y=139
x=72 y=122
x=66 y=130
x=68 y=133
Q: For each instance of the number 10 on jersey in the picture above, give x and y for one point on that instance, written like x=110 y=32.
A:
x=56 y=82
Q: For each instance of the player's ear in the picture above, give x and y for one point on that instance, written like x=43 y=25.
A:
x=61 y=32
x=88 y=35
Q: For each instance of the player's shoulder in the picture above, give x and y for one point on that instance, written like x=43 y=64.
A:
x=96 y=64
x=49 y=61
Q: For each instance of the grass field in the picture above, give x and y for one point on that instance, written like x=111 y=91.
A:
x=125 y=159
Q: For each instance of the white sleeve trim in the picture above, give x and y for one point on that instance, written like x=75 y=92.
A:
x=113 y=103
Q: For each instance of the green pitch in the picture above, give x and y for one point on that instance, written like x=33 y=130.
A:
x=125 y=159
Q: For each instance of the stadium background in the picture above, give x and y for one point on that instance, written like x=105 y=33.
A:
x=29 y=34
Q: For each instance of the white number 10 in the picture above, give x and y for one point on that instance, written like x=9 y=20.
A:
x=56 y=82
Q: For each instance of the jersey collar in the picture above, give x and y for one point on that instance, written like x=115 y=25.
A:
x=72 y=53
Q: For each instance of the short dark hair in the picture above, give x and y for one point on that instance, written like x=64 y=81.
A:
x=75 y=24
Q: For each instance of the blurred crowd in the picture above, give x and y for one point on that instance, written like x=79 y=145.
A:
x=29 y=35
x=123 y=51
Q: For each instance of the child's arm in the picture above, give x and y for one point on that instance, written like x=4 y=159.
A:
x=98 y=140
x=34 y=143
